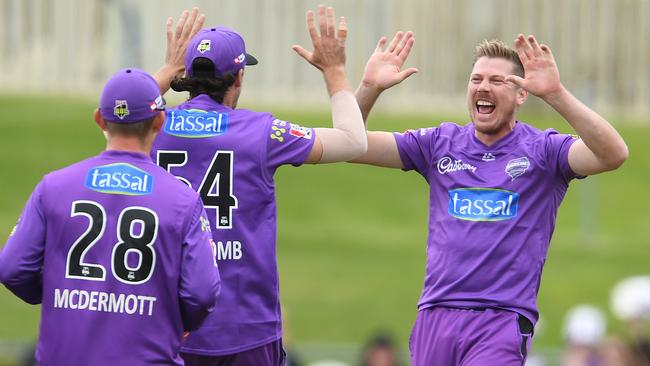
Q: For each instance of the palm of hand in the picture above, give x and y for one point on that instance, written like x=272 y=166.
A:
x=383 y=70
x=328 y=52
x=542 y=75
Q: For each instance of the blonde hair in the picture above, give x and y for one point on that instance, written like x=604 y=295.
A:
x=498 y=49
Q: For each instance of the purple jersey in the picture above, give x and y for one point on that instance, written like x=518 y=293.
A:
x=492 y=212
x=118 y=252
x=229 y=156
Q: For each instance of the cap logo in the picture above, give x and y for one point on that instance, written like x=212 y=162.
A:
x=239 y=59
x=158 y=104
x=204 y=46
x=121 y=109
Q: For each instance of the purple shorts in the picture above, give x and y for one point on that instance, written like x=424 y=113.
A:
x=444 y=336
x=270 y=354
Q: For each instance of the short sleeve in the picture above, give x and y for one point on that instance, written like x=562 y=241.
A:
x=21 y=259
x=416 y=149
x=287 y=143
x=557 y=153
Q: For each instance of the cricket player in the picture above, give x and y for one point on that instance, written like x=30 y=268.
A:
x=230 y=155
x=495 y=186
x=118 y=251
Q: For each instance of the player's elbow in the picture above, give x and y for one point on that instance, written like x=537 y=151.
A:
x=359 y=147
x=616 y=158
x=7 y=271
x=207 y=299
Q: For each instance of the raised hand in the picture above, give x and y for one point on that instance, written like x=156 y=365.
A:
x=329 y=45
x=384 y=68
x=542 y=77
x=189 y=23
x=329 y=48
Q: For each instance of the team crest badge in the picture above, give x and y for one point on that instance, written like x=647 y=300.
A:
x=121 y=109
x=204 y=46
x=517 y=167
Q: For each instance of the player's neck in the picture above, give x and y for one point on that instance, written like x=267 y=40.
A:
x=128 y=144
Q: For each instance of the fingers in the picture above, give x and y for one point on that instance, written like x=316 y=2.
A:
x=381 y=44
x=523 y=48
x=181 y=23
x=534 y=45
x=403 y=42
x=406 y=73
x=302 y=52
x=393 y=44
x=343 y=29
x=322 y=19
x=518 y=81
x=330 y=22
x=198 y=25
x=168 y=26
x=189 y=23
x=546 y=49
x=313 y=33
x=406 y=51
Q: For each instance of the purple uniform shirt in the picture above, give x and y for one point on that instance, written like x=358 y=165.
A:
x=118 y=252
x=229 y=156
x=492 y=212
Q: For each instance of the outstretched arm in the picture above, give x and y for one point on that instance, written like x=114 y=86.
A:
x=383 y=70
x=600 y=147
x=347 y=140
x=189 y=23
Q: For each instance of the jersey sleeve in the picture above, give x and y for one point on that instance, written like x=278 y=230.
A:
x=557 y=147
x=287 y=143
x=416 y=149
x=200 y=283
x=21 y=259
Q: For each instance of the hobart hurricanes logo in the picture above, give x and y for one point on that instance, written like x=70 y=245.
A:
x=204 y=46
x=121 y=109
x=119 y=178
x=517 y=167
x=483 y=204
x=195 y=123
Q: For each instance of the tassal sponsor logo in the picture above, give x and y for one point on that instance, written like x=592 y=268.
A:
x=119 y=178
x=195 y=123
x=483 y=204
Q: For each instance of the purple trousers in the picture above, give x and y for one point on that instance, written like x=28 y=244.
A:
x=270 y=354
x=444 y=336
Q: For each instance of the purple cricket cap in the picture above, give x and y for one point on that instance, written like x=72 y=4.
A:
x=221 y=45
x=131 y=95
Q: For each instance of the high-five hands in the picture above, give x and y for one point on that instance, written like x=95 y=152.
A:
x=384 y=68
x=329 y=45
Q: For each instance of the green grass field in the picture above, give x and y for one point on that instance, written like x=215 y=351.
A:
x=351 y=243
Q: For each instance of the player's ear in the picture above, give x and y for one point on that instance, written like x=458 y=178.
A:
x=240 y=78
x=100 y=120
x=158 y=122
x=522 y=95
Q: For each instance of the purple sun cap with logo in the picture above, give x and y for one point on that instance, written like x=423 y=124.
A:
x=130 y=95
x=221 y=45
